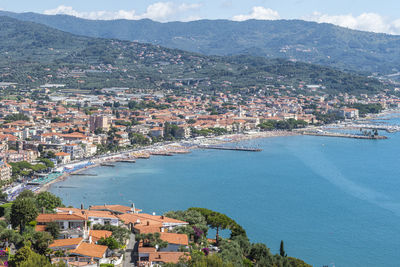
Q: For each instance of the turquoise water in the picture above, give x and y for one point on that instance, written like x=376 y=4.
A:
x=332 y=200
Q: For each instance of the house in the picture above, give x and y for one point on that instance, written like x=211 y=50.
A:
x=63 y=157
x=146 y=223
x=66 y=244
x=93 y=216
x=71 y=225
x=116 y=209
x=96 y=235
x=96 y=252
x=149 y=257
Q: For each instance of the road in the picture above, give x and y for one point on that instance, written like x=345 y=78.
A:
x=129 y=252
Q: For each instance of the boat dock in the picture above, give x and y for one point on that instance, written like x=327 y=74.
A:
x=127 y=160
x=237 y=148
x=160 y=153
x=107 y=165
x=83 y=174
x=327 y=134
x=387 y=128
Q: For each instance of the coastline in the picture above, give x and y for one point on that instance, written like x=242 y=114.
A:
x=194 y=143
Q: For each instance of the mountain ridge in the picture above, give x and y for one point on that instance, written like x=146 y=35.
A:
x=311 y=42
x=32 y=54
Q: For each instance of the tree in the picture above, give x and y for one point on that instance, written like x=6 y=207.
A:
x=26 y=194
x=110 y=242
x=54 y=229
x=282 y=250
x=41 y=241
x=218 y=222
x=23 y=210
x=26 y=257
x=47 y=162
x=48 y=201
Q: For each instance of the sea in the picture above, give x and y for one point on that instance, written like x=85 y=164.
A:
x=333 y=201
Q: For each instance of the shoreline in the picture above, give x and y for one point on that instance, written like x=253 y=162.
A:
x=192 y=144
x=223 y=139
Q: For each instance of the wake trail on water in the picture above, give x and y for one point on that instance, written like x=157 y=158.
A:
x=320 y=165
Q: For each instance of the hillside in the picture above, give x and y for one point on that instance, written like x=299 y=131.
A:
x=32 y=54
x=323 y=44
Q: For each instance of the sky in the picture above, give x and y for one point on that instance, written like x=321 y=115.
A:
x=367 y=15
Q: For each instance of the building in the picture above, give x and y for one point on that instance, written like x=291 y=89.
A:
x=349 y=113
x=74 y=150
x=5 y=171
x=63 y=157
x=98 y=122
x=72 y=225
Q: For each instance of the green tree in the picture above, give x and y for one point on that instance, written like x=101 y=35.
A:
x=48 y=201
x=40 y=242
x=26 y=257
x=23 y=210
x=282 y=250
x=26 y=194
x=110 y=242
x=54 y=229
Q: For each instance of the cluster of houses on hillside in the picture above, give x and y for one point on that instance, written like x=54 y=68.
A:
x=77 y=241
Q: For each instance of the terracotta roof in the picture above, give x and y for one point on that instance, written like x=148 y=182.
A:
x=62 y=154
x=60 y=217
x=117 y=208
x=65 y=242
x=173 y=238
x=166 y=257
x=98 y=234
x=90 y=250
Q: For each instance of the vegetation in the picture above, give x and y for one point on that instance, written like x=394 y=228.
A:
x=120 y=234
x=289 y=124
x=16 y=117
x=324 y=44
x=38 y=53
x=233 y=251
x=365 y=109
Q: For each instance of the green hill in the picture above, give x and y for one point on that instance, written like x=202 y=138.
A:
x=323 y=44
x=32 y=54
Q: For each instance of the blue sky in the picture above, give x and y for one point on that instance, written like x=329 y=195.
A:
x=370 y=15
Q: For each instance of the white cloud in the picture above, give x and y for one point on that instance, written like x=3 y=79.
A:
x=160 y=11
x=365 y=22
x=260 y=13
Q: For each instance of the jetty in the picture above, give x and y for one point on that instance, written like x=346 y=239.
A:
x=107 y=165
x=161 y=153
x=83 y=174
x=236 y=148
x=127 y=160
x=343 y=135
x=387 y=128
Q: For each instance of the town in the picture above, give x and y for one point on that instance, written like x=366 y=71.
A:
x=67 y=132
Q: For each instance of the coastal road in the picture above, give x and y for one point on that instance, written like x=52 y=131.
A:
x=129 y=252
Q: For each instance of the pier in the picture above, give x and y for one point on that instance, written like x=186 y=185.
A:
x=127 y=160
x=161 y=154
x=107 y=165
x=83 y=174
x=387 y=128
x=327 y=134
x=237 y=148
